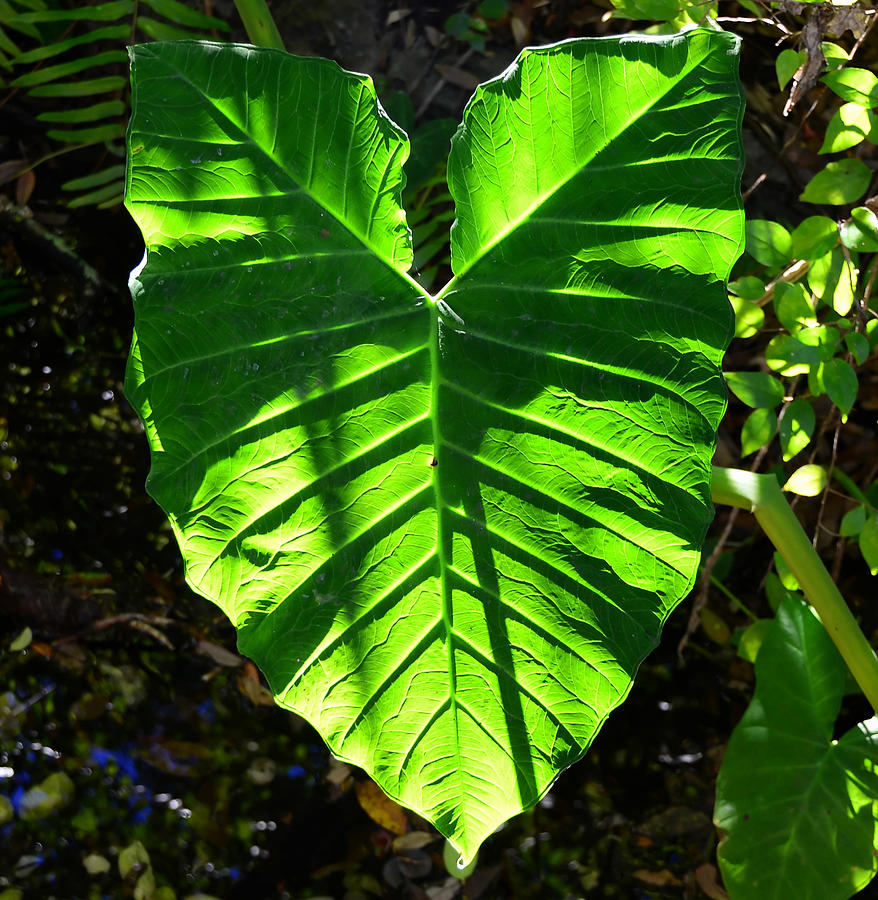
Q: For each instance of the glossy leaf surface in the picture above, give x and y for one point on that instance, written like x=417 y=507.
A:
x=798 y=808
x=448 y=529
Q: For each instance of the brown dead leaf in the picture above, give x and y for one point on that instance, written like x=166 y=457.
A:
x=458 y=77
x=24 y=187
x=662 y=878
x=414 y=840
x=705 y=877
x=219 y=655
x=250 y=686
x=380 y=808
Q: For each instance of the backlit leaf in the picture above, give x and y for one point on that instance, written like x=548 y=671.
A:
x=448 y=528
x=844 y=181
x=796 y=427
x=807 y=481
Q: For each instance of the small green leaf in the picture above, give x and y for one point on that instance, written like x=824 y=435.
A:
x=94 y=113
x=758 y=429
x=834 y=55
x=751 y=640
x=162 y=31
x=747 y=288
x=860 y=232
x=132 y=857
x=796 y=428
x=749 y=317
x=841 y=384
x=807 y=481
x=858 y=345
x=843 y=181
x=110 y=33
x=92 y=181
x=814 y=237
x=848 y=127
x=102 y=12
x=794 y=307
x=49 y=796
x=853 y=521
x=493 y=9
x=88 y=88
x=787 y=64
x=834 y=280
x=757 y=389
x=787 y=790
x=787 y=579
x=80 y=64
x=100 y=134
x=768 y=242
x=872 y=332
x=869 y=544
x=858 y=86
x=185 y=15
x=798 y=353
x=22 y=640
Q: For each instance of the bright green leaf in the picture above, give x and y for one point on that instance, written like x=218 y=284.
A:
x=757 y=389
x=769 y=243
x=132 y=857
x=848 y=127
x=22 y=640
x=855 y=85
x=841 y=384
x=807 y=481
x=868 y=541
x=787 y=64
x=448 y=528
x=749 y=317
x=843 y=181
x=796 y=427
x=834 y=55
x=787 y=792
x=860 y=231
x=834 y=280
x=758 y=429
x=853 y=521
x=794 y=307
x=814 y=237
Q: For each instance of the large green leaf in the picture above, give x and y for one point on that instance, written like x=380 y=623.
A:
x=447 y=529
x=798 y=809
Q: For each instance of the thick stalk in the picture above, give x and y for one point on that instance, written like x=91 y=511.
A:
x=259 y=24
x=761 y=495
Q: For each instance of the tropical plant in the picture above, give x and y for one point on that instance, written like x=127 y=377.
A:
x=449 y=527
x=75 y=74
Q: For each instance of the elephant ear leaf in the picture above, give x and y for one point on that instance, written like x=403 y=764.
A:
x=450 y=528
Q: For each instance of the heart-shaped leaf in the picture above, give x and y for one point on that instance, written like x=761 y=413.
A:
x=448 y=529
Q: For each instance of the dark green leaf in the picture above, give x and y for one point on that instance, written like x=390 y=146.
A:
x=62 y=70
x=181 y=14
x=852 y=522
x=787 y=64
x=757 y=389
x=841 y=384
x=787 y=792
x=758 y=429
x=106 y=110
x=108 y=84
x=112 y=33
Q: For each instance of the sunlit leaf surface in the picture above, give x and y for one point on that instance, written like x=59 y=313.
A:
x=448 y=529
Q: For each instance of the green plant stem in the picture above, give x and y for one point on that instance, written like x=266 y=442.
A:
x=848 y=484
x=761 y=495
x=259 y=24
x=732 y=598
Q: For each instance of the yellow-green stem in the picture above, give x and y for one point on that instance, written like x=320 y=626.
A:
x=259 y=24
x=761 y=495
